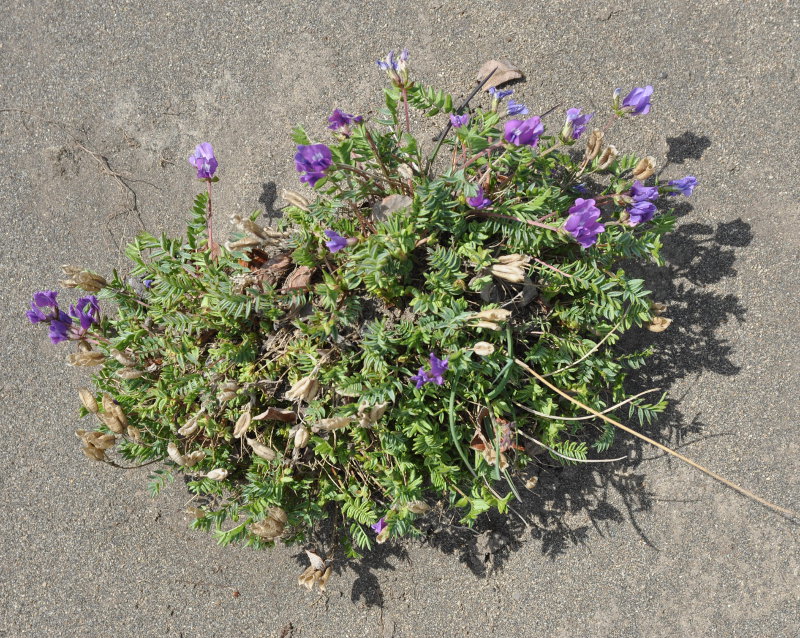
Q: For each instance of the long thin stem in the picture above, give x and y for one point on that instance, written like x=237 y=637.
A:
x=569 y=458
x=405 y=105
x=214 y=246
x=555 y=417
x=677 y=455
x=530 y=222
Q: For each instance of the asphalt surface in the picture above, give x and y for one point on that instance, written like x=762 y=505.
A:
x=650 y=548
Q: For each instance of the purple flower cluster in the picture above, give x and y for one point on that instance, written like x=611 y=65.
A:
x=684 y=186
x=340 y=119
x=642 y=210
x=379 y=526
x=517 y=108
x=204 y=161
x=637 y=102
x=479 y=202
x=335 y=241
x=524 y=132
x=459 y=120
x=313 y=160
x=500 y=95
x=575 y=124
x=44 y=308
x=582 y=222
x=395 y=67
x=434 y=375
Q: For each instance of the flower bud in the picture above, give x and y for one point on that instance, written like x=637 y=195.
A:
x=301 y=437
x=85 y=359
x=304 y=390
x=88 y=400
x=514 y=274
x=219 y=474
x=608 y=157
x=383 y=536
x=242 y=424
x=262 y=451
x=594 y=143
x=493 y=314
x=296 y=199
x=418 y=507
x=645 y=168
x=483 y=349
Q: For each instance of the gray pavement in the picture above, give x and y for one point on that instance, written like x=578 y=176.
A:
x=649 y=549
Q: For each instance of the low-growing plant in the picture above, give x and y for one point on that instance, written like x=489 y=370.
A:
x=371 y=354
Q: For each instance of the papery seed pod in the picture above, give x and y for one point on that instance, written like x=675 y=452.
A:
x=334 y=423
x=193 y=458
x=493 y=314
x=513 y=274
x=418 y=507
x=89 y=281
x=242 y=424
x=645 y=168
x=532 y=482
x=269 y=529
x=295 y=199
x=247 y=242
x=489 y=325
x=119 y=414
x=377 y=411
x=85 y=359
x=222 y=397
x=254 y=229
x=84 y=346
x=277 y=414
x=658 y=308
x=229 y=386
x=111 y=422
x=278 y=514
x=261 y=450
x=134 y=433
x=658 y=324
x=174 y=454
x=107 y=402
x=129 y=373
x=608 y=157
x=483 y=349
x=323 y=580
x=123 y=358
x=94 y=453
x=308 y=578
x=70 y=271
x=190 y=427
x=515 y=259
x=594 y=144
x=304 y=389
x=301 y=437
x=104 y=441
x=219 y=474
x=88 y=400
x=68 y=283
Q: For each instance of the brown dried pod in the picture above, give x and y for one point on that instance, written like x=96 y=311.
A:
x=277 y=414
x=129 y=373
x=222 y=397
x=608 y=157
x=94 y=453
x=483 y=349
x=389 y=205
x=134 y=433
x=532 y=482
x=261 y=450
x=191 y=426
x=296 y=199
x=269 y=528
x=174 y=454
x=512 y=273
x=88 y=400
x=123 y=358
x=119 y=414
x=594 y=144
x=658 y=324
x=242 y=424
x=645 y=168
x=85 y=359
x=193 y=458
x=304 y=389
x=515 y=259
x=247 y=242
x=219 y=474
x=489 y=325
x=301 y=437
x=278 y=514
x=493 y=314
x=111 y=422
x=658 y=308
x=70 y=271
x=504 y=71
x=334 y=423
x=418 y=507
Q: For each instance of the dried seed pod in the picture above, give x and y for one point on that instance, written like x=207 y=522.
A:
x=88 y=400
x=308 y=578
x=134 y=433
x=94 y=453
x=111 y=422
x=490 y=325
x=594 y=143
x=193 y=458
x=296 y=199
x=129 y=373
x=242 y=424
x=84 y=346
x=334 y=423
x=89 y=281
x=515 y=259
x=493 y=314
x=219 y=474
x=68 y=283
x=658 y=324
x=532 y=482
x=278 y=514
x=85 y=359
x=301 y=437
x=645 y=168
x=269 y=529
x=191 y=426
x=418 y=507
x=261 y=450
x=405 y=171
x=369 y=415
x=512 y=273
x=383 y=536
x=123 y=358
x=608 y=157
x=277 y=414
x=103 y=441
x=304 y=389
x=323 y=580
x=174 y=454
x=483 y=349
x=222 y=397
x=229 y=386
x=70 y=271
x=658 y=308
x=246 y=242
x=119 y=414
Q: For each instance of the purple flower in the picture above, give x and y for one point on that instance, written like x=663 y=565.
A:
x=524 y=132
x=337 y=242
x=434 y=375
x=148 y=283
x=641 y=193
x=395 y=67
x=499 y=95
x=684 y=186
x=340 y=119
x=459 y=120
x=313 y=160
x=59 y=327
x=44 y=299
x=641 y=212
x=638 y=100
x=517 y=108
x=582 y=222
x=576 y=123
x=379 y=526
x=85 y=311
x=204 y=161
x=479 y=202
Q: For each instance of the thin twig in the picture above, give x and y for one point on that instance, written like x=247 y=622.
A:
x=593 y=350
x=558 y=270
x=677 y=455
x=569 y=458
x=555 y=417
